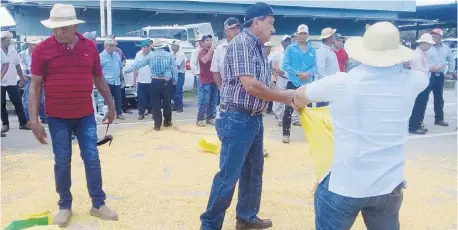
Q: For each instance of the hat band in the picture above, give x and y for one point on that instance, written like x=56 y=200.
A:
x=62 y=19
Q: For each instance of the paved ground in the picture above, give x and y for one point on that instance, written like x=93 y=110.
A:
x=161 y=180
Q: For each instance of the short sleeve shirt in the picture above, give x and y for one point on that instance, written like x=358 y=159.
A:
x=370 y=109
x=68 y=76
x=205 y=76
x=218 y=58
x=11 y=77
x=245 y=57
x=4 y=58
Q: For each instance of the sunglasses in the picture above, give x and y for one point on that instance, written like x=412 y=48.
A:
x=107 y=138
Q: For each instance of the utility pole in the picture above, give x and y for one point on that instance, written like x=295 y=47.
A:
x=102 y=18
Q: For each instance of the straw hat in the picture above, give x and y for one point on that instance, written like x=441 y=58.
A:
x=327 y=32
x=61 y=15
x=426 y=38
x=6 y=34
x=109 y=41
x=158 y=43
x=379 y=47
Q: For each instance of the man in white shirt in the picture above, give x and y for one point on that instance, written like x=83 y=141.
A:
x=180 y=59
x=326 y=59
x=4 y=69
x=421 y=62
x=142 y=80
x=369 y=107
x=9 y=83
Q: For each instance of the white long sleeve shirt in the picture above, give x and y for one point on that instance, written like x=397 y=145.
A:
x=194 y=62
x=326 y=62
x=420 y=62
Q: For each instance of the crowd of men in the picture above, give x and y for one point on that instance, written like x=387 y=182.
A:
x=370 y=106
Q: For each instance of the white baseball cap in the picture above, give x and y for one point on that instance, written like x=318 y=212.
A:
x=426 y=37
x=302 y=29
x=268 y=44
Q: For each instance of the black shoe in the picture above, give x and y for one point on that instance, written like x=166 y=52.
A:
x=167 y=124
x=141 y=117
x=257 y=224
x=127 y=111
x=5 y=128
x=173 y=108
x=422 y=127
x=157 y=128
x=25 y=126
x=180 y=110
x=2 y=135
x=441 y=123
x=418 y=131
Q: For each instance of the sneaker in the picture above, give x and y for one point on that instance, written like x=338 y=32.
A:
x=62 y=218
x=418 y=131
x=296 y=123
x=120 y=117
x=141 y=117
x=200 y=123
x=441 y=123
x=211 y=121
x=285 y=139
x=127 y=111
x=257 y=224
x=104 y=213
x=5 y=128
x=25 y=126
x=180 y=110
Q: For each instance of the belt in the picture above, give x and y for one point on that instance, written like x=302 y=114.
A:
x=235 y=108
x=161 y=78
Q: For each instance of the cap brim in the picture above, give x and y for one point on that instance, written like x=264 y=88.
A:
x=356 y=50
x=233 y=25
x=53 y=24
x=430 y=42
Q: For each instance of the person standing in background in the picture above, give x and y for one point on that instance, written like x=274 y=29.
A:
x=439 y=55
x=326 y=58
x=194 y=64
x=267 y=51
x=180 y=59
x=124 y=101
x=91 y=36
x=342 y=56
x=142 y=81
x=9 y=83
x=112 y=72
x=26 y=63
x=300 y=64
x=5 y=66
x=208 y=92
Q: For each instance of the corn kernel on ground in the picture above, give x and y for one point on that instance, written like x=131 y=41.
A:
x=161 y=180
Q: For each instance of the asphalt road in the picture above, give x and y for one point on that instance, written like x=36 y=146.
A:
x=439 y=140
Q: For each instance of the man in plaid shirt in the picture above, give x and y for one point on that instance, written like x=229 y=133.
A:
x=245 y=94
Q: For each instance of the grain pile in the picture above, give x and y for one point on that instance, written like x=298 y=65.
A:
x=161 y=180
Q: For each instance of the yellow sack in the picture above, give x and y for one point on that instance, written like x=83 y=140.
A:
x=211 y=146
x=317 y=125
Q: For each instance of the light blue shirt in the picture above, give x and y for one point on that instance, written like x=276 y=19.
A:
x=26 y=62
x=442 y=55
x=297 y=61
x=161 y=63
x=111 y=67
x=370 y=109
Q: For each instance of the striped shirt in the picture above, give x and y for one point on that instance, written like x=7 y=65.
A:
x=161 y=63
x=67 y=75
x=245 y=57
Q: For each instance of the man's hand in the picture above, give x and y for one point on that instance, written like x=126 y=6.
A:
x=21 y=83
x=288 y=96
x=109 y=116
x=449 y=76
x=304 y=76
x=436 y=68
x=39 y=132
x=300 y=100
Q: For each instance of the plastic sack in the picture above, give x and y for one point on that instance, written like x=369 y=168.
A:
x=29 y=221
x=317 y=125
x=209 y=146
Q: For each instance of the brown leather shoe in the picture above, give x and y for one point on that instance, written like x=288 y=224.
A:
x=257 y=224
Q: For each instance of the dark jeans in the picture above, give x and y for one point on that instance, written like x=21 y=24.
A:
x=436 y=84
x=241 y=159
x=116 y=93
x=124 y=101
x=322 y=104
x=144 y=95
x=418 y=111
x=161 y=96
x=25 y=103
x=178 y=97
x=288 y=113
x=86 y=132
x=15 y=97
x=207 y=98
x=333 y=211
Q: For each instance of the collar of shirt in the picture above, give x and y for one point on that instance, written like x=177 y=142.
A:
x=78 y=35
x=225 y=43
x=252 y=37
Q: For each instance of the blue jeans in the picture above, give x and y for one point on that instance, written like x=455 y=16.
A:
x=86 y=132
x=207 y=97
x=336 y=212
x=178 y=97
x=25 y=103
x=116 y=93
x=144 y=94
x=241 y=159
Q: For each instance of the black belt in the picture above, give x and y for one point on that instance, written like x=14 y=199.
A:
x=239 y=109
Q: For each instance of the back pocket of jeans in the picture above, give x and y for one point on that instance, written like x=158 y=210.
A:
x=394 y=200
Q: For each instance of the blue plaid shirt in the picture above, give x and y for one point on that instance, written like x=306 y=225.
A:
x=161 y=63
x=244 y=57
x=111 y=67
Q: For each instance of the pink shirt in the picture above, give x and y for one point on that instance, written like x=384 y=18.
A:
x=420 y=61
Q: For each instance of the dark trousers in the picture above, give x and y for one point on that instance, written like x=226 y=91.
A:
x=124 y=101
x=144 y=95
x=178 y=95
x=161 y=96
x=85 y=130
x=436 y=84
x=116 y=93
x=419 y=109
x=15 y=97
x=241 y=159
x=288 y=113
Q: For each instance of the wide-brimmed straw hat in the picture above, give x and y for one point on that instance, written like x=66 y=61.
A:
x=426 y=37
x=379 y=47
x=61 y=15
x=327 y=32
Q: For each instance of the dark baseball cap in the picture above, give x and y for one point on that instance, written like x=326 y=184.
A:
x=257 y=10
x=231 y=23
x=204 y=37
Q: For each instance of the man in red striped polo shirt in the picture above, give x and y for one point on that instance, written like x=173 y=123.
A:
x=68 y=65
